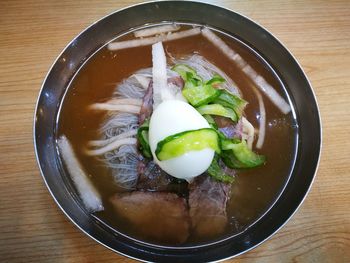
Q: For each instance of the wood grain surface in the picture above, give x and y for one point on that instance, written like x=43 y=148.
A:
x=33 y=33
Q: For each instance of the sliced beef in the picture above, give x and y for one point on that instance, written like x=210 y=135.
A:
x=156 y=215
x=227 y=127
x=153 y=178
x=207 y=202
x=222 y=122
x=177 y=81
x=147 y=104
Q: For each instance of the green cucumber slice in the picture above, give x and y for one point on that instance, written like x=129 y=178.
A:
x=217 y=173
x=231 y=101
x=183 y=142
x=238 y=155
x=142 y=137
x=217 y=109
x=200 y=95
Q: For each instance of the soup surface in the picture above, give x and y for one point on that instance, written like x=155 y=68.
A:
x=253 y=191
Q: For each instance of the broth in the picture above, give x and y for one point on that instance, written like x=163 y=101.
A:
x=253 y=191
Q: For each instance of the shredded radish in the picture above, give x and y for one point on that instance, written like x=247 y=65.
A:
x=87 y=192
x=156 y=30
x=152 y=40
x=260 y=82
x=100 y=143
x=114 y=107
x=161 y=90
x=248 y=132
x=262 y=120
x=160 y=83
x=269 y=91
x=125 y=101
x=112 y=146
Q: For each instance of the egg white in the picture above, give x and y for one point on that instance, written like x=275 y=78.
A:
x=169 y=118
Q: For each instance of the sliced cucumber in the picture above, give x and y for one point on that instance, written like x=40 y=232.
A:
x=183 y=142
x=200 y=95
x=142 y=136
x=238 y=155
x=231 y=101
x=217 y=109
x=217 y=173
x=186 y=72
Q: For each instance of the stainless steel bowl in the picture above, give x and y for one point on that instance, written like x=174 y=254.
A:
x=117 y=23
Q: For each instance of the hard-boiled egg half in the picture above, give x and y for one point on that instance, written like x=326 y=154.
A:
x=172 y=117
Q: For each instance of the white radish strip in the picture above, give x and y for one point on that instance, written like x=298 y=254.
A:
x=144 y=81
x=127 y=101
x=262 y=121
x=112 y=146
x=152 y=40
x=248 y=132
x=156 y=30
x=133 y=43
x=87 y=192
x=269 y=91
x=123 y=135
x=181 y=34
x=160 y=82
x=114 y=107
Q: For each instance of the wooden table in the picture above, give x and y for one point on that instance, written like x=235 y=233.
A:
x=33 y=33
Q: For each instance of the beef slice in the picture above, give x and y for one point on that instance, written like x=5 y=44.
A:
x=159 y=216
x=207 y=202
